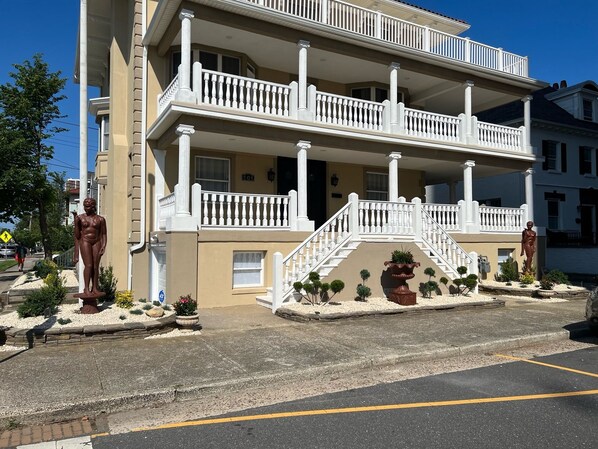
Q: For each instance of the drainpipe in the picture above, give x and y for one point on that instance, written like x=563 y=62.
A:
x=141 y=244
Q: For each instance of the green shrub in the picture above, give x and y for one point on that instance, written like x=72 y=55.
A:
x=124 y=299
x=362 y=290
x=107 y=283
x=47 y=298
x=466 y=284
x=142 y=300
x=316 y=292
x=557 y=276
x=508 y=271
x=44 y=267
x=136 y=312
x=401 y=256
x=122 y=317
x=546 y=283
x=64 y=321
x=527 y=279
x=157 y=303
x=147 y=307
x=429 y=286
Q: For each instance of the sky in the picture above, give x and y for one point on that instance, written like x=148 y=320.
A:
x=560 y=39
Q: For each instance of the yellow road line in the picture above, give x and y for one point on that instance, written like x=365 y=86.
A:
x=96 y=435
x=564 y=368
x=372 y=408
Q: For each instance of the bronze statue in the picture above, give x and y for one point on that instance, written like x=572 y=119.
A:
x=528 y=246
x=90 y=241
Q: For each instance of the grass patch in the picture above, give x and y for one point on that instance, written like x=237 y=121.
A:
x=6 y=264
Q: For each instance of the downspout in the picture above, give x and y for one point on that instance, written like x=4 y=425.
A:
x=141 y=243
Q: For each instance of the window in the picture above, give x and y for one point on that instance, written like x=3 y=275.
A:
x=105 y=133
x=586 y=159
x=210 y=61
x=588 y=113
x=213 y=173
x=248 y=269
x=555 y=156
x=504 y=254
x=553 y=213
x=491 y=202
x=376 y=94
x=376 y=188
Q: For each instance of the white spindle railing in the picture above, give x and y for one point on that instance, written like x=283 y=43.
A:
x=168 y=95
x=499 y=136
x=443 y=245
x=244 y=210
x=347 y=111
x=247 y=94
x=430 y=125
x=356 y=19
x=315 y=249
x=385 y=218
x=502 y=219
x=166 y=209
x=446 y=215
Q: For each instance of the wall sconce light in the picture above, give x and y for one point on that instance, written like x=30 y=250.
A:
x=334 y=180
x=271 y=175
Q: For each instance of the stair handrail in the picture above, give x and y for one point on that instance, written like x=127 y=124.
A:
x=315 y=249
x=443 y=245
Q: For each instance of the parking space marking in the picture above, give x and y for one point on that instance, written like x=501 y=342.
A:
x=372 y=408
x=564 y=368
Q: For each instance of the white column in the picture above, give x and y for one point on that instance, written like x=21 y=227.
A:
x=527 y=120
x=185 y=93
x=468 y=109
x=182 y=200
x=159 y=170
x=303 y=46
x=529 y=192
x=302 y=147
x=393 y=176
x=468 y=191
x=394 y=95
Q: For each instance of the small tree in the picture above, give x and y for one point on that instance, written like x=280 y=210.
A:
x=315 y=291
x=508 y=271
x=465 y=285
x=429 y=286
x=363 y=291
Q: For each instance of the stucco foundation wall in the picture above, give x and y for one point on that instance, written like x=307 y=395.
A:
x=215 y=263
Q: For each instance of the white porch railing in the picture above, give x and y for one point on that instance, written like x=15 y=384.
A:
x=347 y=111
x=430 y=125
x=367 y=22
x=502 y=219
x=383 y=217
x=166 y=209
x=449 y=216
x=244 y=210
x=245 y=93
x=499 y=136
x=168 y=95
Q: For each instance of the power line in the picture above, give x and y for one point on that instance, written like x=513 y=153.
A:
x=76 y=124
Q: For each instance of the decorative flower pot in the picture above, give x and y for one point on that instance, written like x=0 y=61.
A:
x=545 y=293
x=401 y=293
x=187 y=322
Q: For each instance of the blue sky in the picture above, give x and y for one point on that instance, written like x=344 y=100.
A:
x=560 y=38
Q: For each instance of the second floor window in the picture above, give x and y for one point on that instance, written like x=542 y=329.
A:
x=213 y=173
x=555 y=156
x=588 y=113
x=376 y=94
x=586 y=161
x=210 y=61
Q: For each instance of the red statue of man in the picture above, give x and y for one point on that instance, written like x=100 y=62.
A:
x=528 y=246
x=90 y=240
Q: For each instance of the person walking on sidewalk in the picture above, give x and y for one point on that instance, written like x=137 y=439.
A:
x=20 y=254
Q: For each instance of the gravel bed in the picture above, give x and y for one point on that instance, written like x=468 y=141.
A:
x=30 y=281
x=379 y=304
x=557 y=287
x=110 y=314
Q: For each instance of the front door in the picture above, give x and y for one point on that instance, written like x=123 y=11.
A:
x=316 y=185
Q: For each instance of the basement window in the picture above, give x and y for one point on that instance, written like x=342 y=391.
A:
x=248 y=269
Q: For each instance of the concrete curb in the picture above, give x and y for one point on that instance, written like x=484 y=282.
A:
x=158 y=397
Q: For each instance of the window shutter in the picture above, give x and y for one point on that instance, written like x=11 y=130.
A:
x=544 y=153
x=563 y=157
x=581 y=160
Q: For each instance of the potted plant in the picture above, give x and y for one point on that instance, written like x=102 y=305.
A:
x=546 y=287
x=186 y=311
x=402 y=265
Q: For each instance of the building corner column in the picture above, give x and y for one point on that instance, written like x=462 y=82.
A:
x=303 y=222
x=394 y=96
x=527 y=122
x=529 y=192
x=303 y=112
x=468 y=193
x=185 y=93
x=468 y=111
x=393 y=176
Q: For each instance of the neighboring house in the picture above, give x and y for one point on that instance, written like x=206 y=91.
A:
x=71 y=188
x=565 y=134
x=231 y=130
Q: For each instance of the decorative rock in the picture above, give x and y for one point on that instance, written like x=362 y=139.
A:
x=156 y=312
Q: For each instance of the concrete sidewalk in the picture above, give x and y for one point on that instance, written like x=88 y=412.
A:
x=248 y=346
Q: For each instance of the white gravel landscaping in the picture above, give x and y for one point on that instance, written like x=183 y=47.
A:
x=29 y=281
x=110 y=314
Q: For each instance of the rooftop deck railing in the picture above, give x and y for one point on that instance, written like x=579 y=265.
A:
x=367 y=22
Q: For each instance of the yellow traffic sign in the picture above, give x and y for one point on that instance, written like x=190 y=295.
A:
x=5 y=236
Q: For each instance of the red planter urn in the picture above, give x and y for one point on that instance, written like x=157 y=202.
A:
x=402 y=272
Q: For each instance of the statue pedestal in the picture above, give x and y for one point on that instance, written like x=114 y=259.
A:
x=90 y=301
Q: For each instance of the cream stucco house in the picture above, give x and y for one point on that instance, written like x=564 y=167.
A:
x=246 y=143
